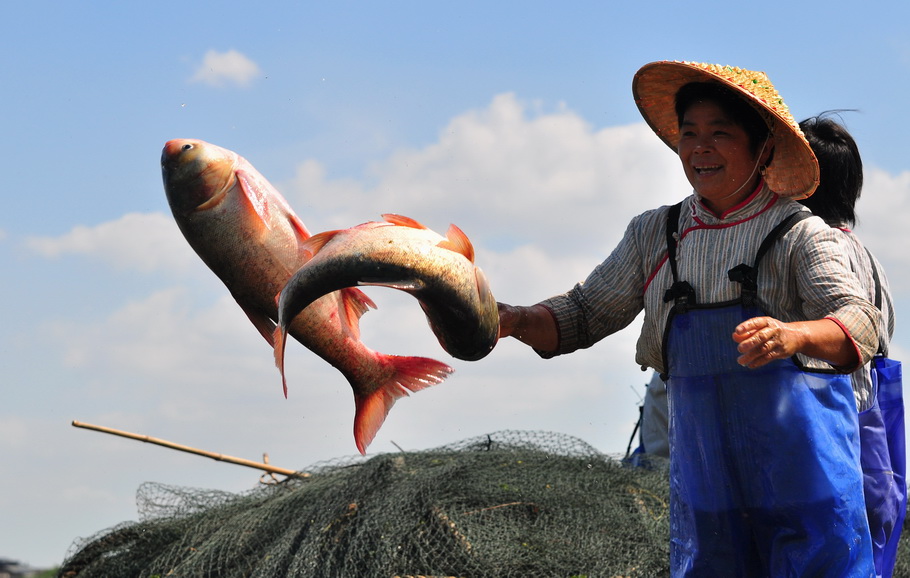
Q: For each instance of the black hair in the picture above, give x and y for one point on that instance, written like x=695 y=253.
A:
x=733 y=105
x=841 y=170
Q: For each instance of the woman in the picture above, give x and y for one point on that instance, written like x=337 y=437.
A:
x=765 y=476
x=839 y=189
x=878 y=400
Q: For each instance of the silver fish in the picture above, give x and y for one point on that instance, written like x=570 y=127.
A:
x=248 y=235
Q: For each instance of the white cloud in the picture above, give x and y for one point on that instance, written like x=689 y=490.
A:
x=223 y=68
x=882 y=214
x=13 y=433
x=506 y=175
x=145 y=242
x=167 y=336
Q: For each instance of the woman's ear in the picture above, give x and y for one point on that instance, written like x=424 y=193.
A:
x=767 y=151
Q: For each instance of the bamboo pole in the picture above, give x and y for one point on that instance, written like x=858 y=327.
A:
x=219 y=457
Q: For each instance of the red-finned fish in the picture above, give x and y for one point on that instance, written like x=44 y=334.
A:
x=402 y=254
x=247 y=234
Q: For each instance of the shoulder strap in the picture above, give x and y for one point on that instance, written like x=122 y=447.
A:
x=878 y=297
x=672 y=231
x=875 y=278
x=748 y=276
x=681 y=292
x=778 y=232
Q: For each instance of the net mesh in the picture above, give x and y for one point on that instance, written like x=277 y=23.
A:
x=510 y=504
x=506 y=504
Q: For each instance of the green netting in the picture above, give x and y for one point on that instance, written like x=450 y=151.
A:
x=522 y=504
x=508 y=504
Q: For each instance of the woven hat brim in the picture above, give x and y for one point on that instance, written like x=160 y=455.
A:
x=793 y=171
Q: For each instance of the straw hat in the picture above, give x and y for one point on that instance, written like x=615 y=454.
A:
x=793 y=171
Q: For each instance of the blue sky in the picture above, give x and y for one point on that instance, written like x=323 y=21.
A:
x=513 y=120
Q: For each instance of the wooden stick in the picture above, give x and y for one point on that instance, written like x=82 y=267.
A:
x=182 y=448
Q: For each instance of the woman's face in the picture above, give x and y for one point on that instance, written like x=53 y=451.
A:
x=715 y=153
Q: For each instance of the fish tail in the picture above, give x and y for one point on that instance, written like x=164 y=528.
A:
x=410 y=374
x=280 y=339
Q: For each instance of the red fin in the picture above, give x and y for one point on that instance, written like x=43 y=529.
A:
x=457 y=241
x=254 y=192
x=282 y=206
x=280 y=340
x=353 y=303
x=312 y=245
x=298 y=226
x=265 y=325
x=411 y=374
x=402 y=221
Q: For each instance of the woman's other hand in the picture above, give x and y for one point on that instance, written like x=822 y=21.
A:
x=764 y=339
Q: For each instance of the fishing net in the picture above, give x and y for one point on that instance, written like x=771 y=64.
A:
x=508 y=504
x=511 y=504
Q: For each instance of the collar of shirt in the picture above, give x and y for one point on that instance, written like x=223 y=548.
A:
x=758 y=202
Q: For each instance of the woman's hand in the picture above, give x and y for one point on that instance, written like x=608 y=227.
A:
x=533 y=325
x=509 y=318
x=764 y=339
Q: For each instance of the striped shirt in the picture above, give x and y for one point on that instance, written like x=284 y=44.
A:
x=862 y=265
x=805 y=276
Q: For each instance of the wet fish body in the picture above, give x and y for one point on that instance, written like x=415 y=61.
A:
x=248 y=235
x=403 y=254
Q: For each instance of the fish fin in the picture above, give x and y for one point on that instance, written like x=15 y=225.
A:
x=298 y=226
x=411 y=374
x=353 y=303
x=253 y=191
x=265 y=325
x=311 y=246
x=487 y=300
x=483 y=285
x=402 y=221
x=280 y=340
x=295 y=222
x=457 y=241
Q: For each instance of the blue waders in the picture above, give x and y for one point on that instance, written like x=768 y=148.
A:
x=765 y=476
x=883 y=455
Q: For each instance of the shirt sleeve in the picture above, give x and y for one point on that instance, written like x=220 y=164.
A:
x=831 y=289
x=604 y=303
